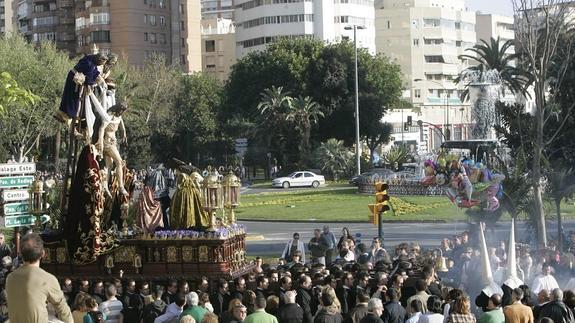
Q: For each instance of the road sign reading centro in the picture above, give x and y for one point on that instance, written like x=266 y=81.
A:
x=16 y=208
x=17 y=169
x=23 y=220
x=16 y=181
x=15 y=195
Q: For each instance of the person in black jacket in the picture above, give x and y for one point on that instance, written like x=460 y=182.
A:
x=556 y=309
x=346 y=294
x=393 y=311
x=303 y=298
x=220 y=300
x=290 y=312
x=327 y=313
x=133 y=303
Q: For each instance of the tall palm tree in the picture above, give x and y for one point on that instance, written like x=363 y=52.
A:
x=272 y=109
x=494 y=56
x=304 y=112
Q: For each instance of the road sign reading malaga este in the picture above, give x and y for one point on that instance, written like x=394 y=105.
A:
x=17 y=169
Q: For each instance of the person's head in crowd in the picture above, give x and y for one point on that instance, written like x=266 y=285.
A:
x=204 y=299
x=286 y=283
x=192 y=299
x=450 y=263
x=144 y=289
x=397 y=281
x=183 y=287
x=2 y=239
x=526 y=300
x=240 y=312
x=465 y=237
x=347 y=280
x=331 y=292
x=119 y=286
x=232 y=303
x=556 y=295
x=274 y=276
x=111 y=291
x=375 y=306
x=31 y=248
x=210 y=318
x=362 y=297
x=416 y=306
x=543 y=296
x=421 y=285
x=98 y=287
x=454 y=294
x=546 y=320
x=203 y=284
x=376 y=243
x=345 y=232
x=392 y=295
x=187 y=319
x=295 y=237
x=326 y=300
x=249 y=298
x=223 y=287
x=67 y=286
x=462 y=305
x=272 y=304
x=317 y=233
x=445 y=244
x=84 y=285
x=148 y=299
x=260 y=303
x=361 y=248
x=326 y=229
x=363 y=280
x=289 y=297
x=172 y=286
x=7 y=262
x=240 y=284
x=517 y=294
x=180 y=300
x=131 y=286
x=80 y=302
x=569 y=298
x=304 y=282
x=90 y=304
x=158 y=292
x=259 y=261
x=434 y=304
x=262 y=282
x=494 y=301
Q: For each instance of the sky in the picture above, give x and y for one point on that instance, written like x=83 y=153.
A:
x=502 y=7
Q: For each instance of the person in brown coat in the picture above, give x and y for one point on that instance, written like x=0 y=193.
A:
x=517 y=312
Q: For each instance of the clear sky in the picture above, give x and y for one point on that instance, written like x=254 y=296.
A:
x=502 y=7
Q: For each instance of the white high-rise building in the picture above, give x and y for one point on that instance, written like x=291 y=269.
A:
x=259 y=22
x=425 y=37
x=7 y=16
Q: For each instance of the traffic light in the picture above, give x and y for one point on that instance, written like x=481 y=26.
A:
x=405 y=126
x=409 y=121
x=381 y=201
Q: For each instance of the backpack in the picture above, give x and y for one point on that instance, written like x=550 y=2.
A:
x=96 y=316
x=152 y=312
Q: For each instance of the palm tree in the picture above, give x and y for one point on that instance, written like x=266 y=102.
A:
x=335 y=159
x=494 y=56
x=304 y=112
x=272 y=109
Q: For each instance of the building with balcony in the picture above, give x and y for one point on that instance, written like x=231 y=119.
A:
x=260 y=22
x=213 y=9
x=218 y=47
x=141 y=29
x=7 y=21
x=425 y=37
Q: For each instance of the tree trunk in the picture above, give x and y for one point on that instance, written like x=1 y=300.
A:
x=537 y=155
x=57 y=143
x=559 y=224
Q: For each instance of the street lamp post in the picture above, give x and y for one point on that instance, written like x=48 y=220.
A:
x=447 y=130
x=357 y=144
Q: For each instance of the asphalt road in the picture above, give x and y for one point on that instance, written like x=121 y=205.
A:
x=269 y=238
x=250 y=190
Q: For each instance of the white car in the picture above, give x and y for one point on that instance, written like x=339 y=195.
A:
x=299 y=179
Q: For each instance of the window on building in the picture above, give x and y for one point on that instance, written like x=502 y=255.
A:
x=182 y=25
x=434 y=59
x=152 y=20
x=100 y=36
x=146 y=19
x=458 y=43
x=388 y=24
x=211 y=66
x=417 y=93
x=101 y=18
x=162 y=4
x=183 y=42
x=162 y=20
x=182 y=9
x=458 y=25
x=210 y=46
x=416 y=42
x=145 y=1
x=431 y=22
x=145 y=36
x=162 y=38
x=457 y=133
x=183 y=59
x=153 y=39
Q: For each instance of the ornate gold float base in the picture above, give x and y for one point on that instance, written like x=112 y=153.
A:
x=153 y=259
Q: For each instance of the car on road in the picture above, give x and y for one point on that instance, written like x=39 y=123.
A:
x=298 y=179
x=383 y=173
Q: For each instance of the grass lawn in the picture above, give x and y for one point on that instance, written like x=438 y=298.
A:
x=347 y=205
x=340 y=205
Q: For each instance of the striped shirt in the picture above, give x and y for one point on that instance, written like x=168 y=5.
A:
x=112 y=310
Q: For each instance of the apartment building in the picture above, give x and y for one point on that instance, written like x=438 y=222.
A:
x=213 y=9
x=140 y=29
x=7 y=22
x=47 y=20
x=260 y=22
x=425 y=37
x=218 y=47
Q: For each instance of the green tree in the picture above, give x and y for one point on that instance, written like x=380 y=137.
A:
x=304 y=113
x=334 y=158
x=11 y=93
x=396 y=156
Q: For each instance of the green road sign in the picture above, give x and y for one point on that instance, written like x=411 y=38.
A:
x=16 y=181
x=23 y=220
x=16 y=208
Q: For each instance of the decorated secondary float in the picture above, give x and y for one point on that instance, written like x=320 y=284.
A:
x=97 y=235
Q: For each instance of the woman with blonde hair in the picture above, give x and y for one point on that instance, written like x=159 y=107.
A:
x=228 y=315
x=461 y=311
x=335 y=305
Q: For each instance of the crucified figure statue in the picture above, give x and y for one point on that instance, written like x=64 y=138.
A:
x=107 y=143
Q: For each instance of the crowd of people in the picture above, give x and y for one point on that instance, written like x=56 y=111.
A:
x=343 y=280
